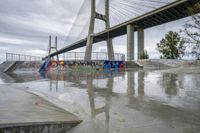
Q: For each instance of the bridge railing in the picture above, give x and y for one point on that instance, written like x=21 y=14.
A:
x=21 y=57
x=95 y=56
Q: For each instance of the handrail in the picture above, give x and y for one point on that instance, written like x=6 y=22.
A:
x=65 y=56
x=21 y=57
x=94 y=56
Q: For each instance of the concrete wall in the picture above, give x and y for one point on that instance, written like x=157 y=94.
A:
x=21 y=66
x=85 y=65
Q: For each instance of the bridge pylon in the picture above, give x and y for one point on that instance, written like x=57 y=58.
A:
x=53 y=47
x=90 y=38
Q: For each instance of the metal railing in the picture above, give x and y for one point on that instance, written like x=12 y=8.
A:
x=21 y=57
x=66 y=56
x=94 y=55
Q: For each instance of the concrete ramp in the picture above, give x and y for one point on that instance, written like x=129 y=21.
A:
x=152 y=64
x=8 y=66
x=19 y=66
x=132 y=64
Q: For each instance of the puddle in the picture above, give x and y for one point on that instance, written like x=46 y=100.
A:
x=127 y=101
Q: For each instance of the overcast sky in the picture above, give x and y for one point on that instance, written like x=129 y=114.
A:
x=26 y=24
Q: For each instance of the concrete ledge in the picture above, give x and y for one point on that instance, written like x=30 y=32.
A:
x=39 y=128
x=25 y=124
x=22 y=112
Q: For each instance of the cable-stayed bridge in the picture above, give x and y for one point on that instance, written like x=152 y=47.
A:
x=121 y=17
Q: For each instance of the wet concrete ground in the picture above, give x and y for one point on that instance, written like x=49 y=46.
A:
x=139 y=101
x=21 y=111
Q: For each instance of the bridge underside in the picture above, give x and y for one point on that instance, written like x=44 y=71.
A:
x=174 y=11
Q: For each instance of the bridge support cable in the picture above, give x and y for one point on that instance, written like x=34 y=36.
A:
x=118 y=11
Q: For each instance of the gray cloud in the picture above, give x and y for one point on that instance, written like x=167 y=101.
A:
x=26 y=24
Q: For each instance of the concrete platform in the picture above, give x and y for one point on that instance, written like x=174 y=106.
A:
x=21 y=111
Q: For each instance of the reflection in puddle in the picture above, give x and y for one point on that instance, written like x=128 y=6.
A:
x=139 y=101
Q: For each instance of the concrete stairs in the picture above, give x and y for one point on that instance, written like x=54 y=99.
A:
x=8 y=66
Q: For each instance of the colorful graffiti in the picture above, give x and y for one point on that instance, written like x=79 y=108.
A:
x=113 y=65
x=52 y=65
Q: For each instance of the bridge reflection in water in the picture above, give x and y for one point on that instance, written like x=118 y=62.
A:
x=126 y=101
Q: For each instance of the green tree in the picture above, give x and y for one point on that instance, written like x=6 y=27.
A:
x=144 y=55
x=172 y=46
x=192 y=31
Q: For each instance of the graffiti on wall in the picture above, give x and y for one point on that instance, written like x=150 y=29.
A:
x=81 y=65
x=113 y=65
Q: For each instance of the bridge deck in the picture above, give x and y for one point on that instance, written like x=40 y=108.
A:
x=171 y=12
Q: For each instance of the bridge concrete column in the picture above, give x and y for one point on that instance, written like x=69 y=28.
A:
x=140 y=42
x=130 y=42
x=109 y=41
x=110 y=49
x=90 y=38
x=88 y=51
